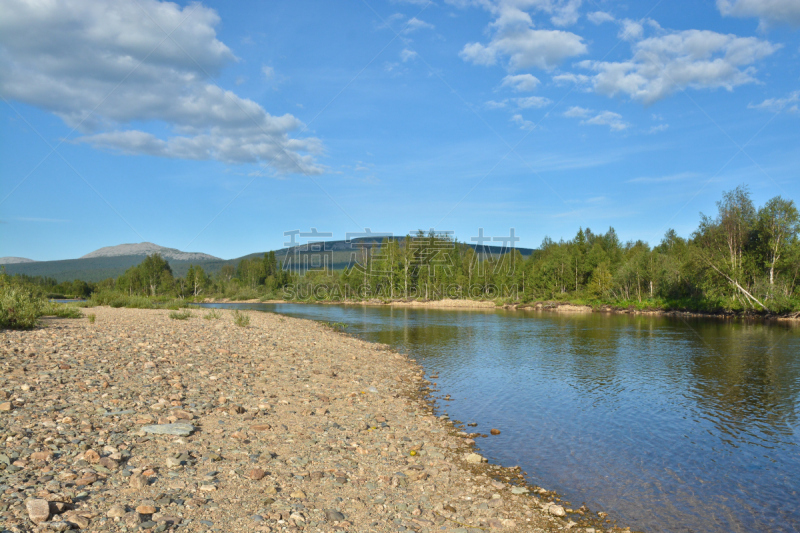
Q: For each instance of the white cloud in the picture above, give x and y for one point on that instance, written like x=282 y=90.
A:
x=522 y=123
x=101 y=66
x=514 y=38
x=268 y=72
x=577 y=79
x=692 y=58
x=776 y=105
x=658 y=129
x=406 y=55
x=415 y=24
x=599 y=17
x=532 y=101
x=492 y=104
x=526 y=48
x=521 y=82
x=603 y=118
x=770 y=12
x=577 y=111
x=631 y=30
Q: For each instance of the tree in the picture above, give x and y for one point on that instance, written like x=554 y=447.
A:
x=778 y=226
x=153 y=270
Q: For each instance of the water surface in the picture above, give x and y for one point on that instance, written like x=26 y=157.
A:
x=668 y=424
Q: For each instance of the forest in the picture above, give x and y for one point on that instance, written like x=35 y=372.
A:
x=741 y=259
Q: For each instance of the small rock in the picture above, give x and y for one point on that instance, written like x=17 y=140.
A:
x=333 y=516
x=181 y=429
x=145 y=509
x=474 y=458
x=91 y=456
x=495 y=431
x=38 y=510
x=557 y=510
x=6 y=406
x=519 y=490
x=256 y=474
x=300 y=495
x=138 y=481
x=173 y=462
x=116 y=511
x=59 y=525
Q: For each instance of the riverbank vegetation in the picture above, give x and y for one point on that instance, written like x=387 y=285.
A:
x=741 y=259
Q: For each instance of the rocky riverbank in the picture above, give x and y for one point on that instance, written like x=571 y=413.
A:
x=139 y=422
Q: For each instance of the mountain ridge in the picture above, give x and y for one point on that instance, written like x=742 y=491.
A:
x=148 y=248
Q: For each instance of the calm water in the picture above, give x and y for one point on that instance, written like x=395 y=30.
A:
x=667 y=424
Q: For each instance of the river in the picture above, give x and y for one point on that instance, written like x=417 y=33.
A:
x=666 y=423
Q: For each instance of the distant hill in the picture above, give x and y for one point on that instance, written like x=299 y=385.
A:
x=112 y=261
x=148 y=248
x=15 y=260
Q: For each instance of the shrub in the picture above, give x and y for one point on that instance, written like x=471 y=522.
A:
x=92 y=317
x=213 y=315
x=180 y=315
x=63 y=311
x=19 y=307
x=241 y=319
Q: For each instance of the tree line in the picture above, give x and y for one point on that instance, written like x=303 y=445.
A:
x=742 y=258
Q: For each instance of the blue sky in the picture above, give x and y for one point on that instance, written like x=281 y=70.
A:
x=218 y=126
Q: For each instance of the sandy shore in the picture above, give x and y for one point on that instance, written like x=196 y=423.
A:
x=288 y=426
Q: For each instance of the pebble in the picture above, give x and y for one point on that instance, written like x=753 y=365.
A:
x=179 y=428
x=474 y=458
x=145 y=509
x=38 y=510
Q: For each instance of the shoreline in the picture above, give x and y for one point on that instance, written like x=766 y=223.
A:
x=293 y=425
x=543 y=306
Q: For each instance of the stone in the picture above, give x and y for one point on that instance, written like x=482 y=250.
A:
x=256 y=474
x=300 y=495
x=556 y=510
x=495 y=431
x=41 y=456
x=91 y=456
x=137 y=481
x=519 y=490
x=332 y=515
x=59 y=525
x=116 y=511
x=173 y=462
x=38 y=510
x=180 y=429
x=145 y=509
x=474 y=458
x=6 y=406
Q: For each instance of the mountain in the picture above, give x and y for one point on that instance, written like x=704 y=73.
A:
x=148 y=248
x=15 y=260
x=112 y=261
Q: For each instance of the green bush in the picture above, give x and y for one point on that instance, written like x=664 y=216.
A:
x=92 y=317
x=213 y=315
x=63 y=311
x=180 y=315
x=19 y=307
x=241 y=319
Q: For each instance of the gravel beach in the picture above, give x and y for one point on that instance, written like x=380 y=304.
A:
x=139 y=422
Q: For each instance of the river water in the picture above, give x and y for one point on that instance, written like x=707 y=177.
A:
x=666 y=423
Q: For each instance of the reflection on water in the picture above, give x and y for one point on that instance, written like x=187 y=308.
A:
x=669 y=424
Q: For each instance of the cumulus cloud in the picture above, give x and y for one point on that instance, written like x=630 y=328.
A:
x=407 y=55
x=415 y=24
x=692 y=58
x=770 y=12
x=631 y=30
x=602 y=118
x=776 y=105
x=515 y=41
x=599 y=17
x=521 y=82
x=102 y=66
x=532 y=101
x=522 y=123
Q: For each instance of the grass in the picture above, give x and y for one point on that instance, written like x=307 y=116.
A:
x=213 y=315
x=63 y=311
x=336 y=326
x=180 y=315
x=92 y=317
x=241 y=319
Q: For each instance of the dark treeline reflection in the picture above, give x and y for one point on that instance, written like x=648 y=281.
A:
x=669 y=424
